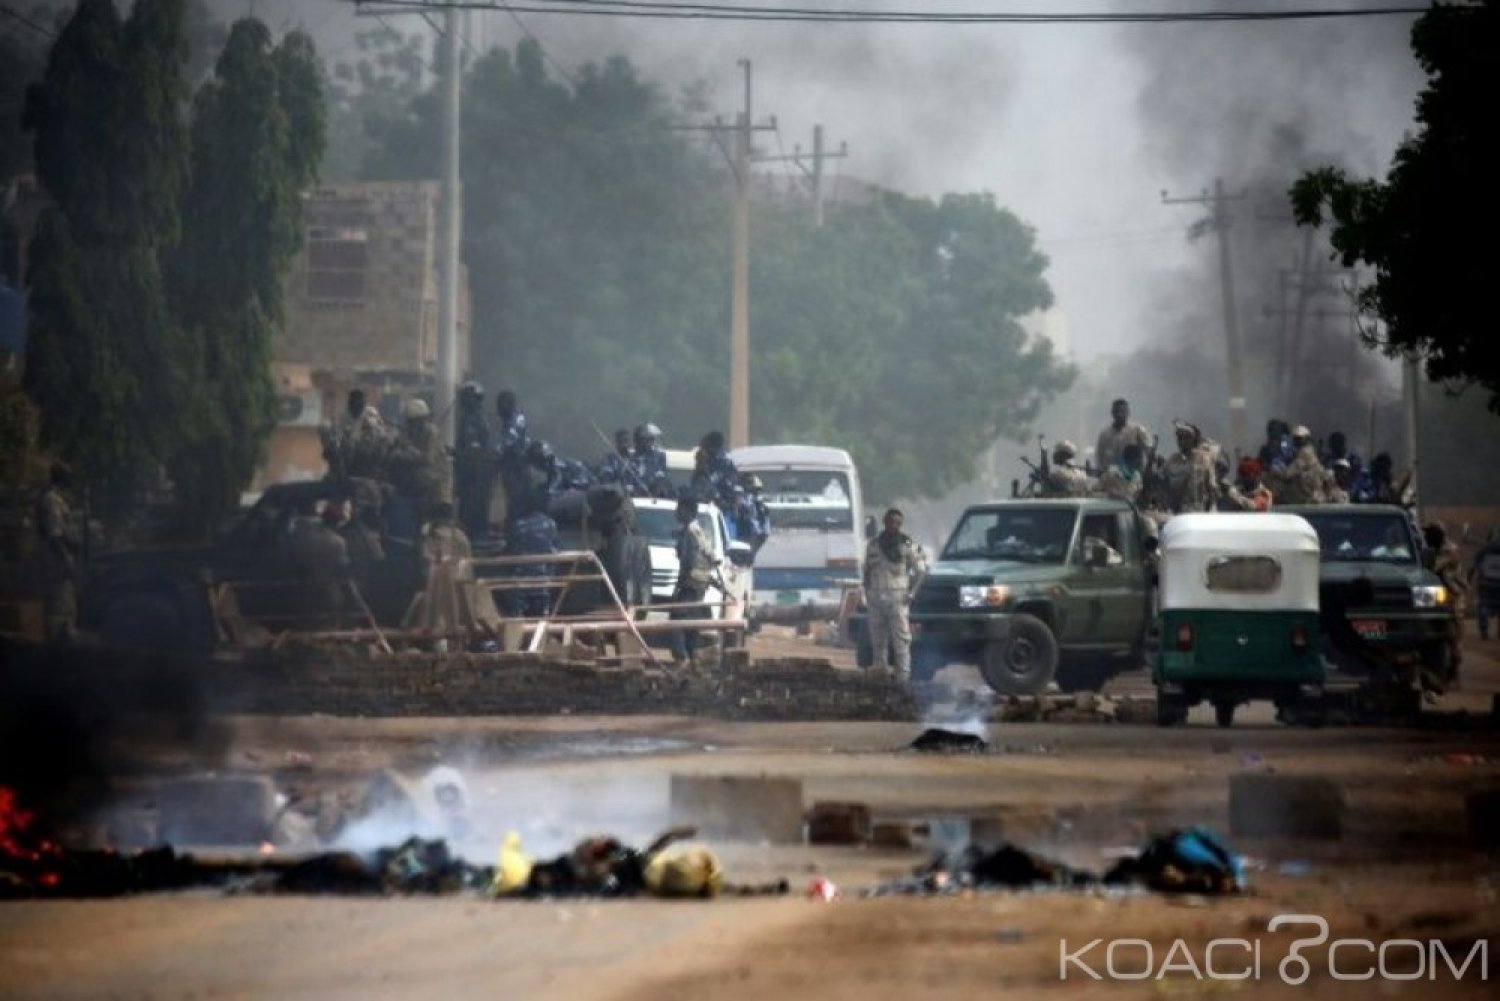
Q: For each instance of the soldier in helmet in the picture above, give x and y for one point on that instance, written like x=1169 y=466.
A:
x=420 y=471
x=1064 y=478
x=614 y=468
x=473 y=461
x=649 y=464
x=59 y=552
x=511 y=442
x=716 y=479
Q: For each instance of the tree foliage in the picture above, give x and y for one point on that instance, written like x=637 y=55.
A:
x=598 y=247
x=1425 y=229
x=257 y=137
x=155 y=274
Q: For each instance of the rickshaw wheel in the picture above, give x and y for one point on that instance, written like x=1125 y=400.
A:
x=1024 y=662
x=1224 y=713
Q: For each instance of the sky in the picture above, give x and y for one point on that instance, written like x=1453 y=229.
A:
x=1076 y=128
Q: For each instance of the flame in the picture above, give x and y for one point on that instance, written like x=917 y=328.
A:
x=14 y=823
x=266 y=848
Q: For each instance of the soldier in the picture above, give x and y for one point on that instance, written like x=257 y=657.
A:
x=1064 y=479
x=59 y=552
x=892 y=573
x=1276 y=454
x=695 y=571
x=473 y=462
x=1190 y=483
x=1338 y=448
x=614 y=468
x=1122 y=478
x=1247 y=492
x=1303 y=480
x=532 y=532
x=1121 y=432
x=1343 y=482
x=420 y=471
x=442 y=545
x=723 y=478
x=1484 y=576
x=752 y=517
x=362 y=534
x=649 y=464
x=443 y=540
x=319 y=558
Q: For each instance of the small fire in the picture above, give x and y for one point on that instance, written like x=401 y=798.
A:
x=266 y=848
x=19 y=844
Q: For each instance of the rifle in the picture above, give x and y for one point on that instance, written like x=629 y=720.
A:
x=628 y=467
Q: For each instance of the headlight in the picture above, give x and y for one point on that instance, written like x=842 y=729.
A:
x=1429 y=596
x=983 y=596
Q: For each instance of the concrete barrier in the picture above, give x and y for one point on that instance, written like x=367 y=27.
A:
x=739 y=807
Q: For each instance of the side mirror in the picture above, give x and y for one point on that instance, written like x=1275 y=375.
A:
x=740 y=553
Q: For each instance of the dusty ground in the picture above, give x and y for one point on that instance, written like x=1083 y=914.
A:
x=1404 y=868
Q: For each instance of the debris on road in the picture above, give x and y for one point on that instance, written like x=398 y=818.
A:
x=937 y=739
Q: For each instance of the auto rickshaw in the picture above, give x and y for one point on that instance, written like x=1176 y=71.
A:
x=1237 y=614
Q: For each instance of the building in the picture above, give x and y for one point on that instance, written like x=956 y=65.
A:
x=361 y=310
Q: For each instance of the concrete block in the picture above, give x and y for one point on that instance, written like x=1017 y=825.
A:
x=739 y=807
x=832 y=823
x=1287 y=806
x=216 y=810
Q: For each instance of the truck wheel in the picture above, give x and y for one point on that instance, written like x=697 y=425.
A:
x=1024 y=662
x=1224 y=713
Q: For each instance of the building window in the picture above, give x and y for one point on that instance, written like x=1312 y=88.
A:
x=337 y=262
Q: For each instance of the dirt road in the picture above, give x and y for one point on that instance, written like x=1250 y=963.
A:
x=1404 y=869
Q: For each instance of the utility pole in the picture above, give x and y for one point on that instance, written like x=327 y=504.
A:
x=740 y=159
x=1411 y=396
x=815 y=171
x=1220 y=221
x=450 y=225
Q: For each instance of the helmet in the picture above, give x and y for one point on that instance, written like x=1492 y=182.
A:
x=647 y=433
x=415 y=409
x=471 y=392
x=1301 y=431
x=1065 y=450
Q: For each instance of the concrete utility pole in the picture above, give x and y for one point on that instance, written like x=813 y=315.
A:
x=1411 y=396
x=815 y=171
x=1220 y=220
x=740 y=159
x=447 y=346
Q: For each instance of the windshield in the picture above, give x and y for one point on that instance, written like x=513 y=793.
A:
x=659 y=526
x=808 y=499
x=1028 y=535
x=1379 y=538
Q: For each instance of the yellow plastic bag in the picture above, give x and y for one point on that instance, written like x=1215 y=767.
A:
x=513 y=868
x=684 y=871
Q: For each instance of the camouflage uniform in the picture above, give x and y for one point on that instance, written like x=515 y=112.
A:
x=1190 y=480
x=420 y=467
x=695 y=572
x=1112 y=442
x=442 y=542
x=1303 y=481
x=1066 y=480
x=319 y=558
x=1119 y=483
x=54 y=523
x=890 y=578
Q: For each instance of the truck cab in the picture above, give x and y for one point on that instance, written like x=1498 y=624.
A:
x=1034 y=592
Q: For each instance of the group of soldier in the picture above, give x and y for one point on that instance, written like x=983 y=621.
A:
x=1289 y=468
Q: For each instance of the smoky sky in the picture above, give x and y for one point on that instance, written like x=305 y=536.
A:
x=1077 y=128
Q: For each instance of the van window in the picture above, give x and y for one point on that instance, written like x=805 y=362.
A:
x=1243 y=574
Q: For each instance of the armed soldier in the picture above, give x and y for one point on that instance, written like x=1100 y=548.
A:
x=1190 y=483
x=614 y=468
x=695 y=571
x=892 y=573
x=649 y=464
x=1064 y=478
x=1120 y=433
x=420 y=471
x=1122 y=479
x=474 y=464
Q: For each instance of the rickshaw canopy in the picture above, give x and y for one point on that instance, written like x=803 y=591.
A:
x=1249 y=562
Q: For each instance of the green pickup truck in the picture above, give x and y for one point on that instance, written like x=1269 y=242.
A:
x=1387 y=619
x=1034 y=592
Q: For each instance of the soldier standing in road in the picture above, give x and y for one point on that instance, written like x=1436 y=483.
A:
x=1064 y=479
x=1121 y=432
x=60 y=551
x=1189 y=473
x=892 y=573
x=695 y=571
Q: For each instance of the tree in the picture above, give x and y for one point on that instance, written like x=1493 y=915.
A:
x=257 y=138
x=1425 y=230
x=102 y=360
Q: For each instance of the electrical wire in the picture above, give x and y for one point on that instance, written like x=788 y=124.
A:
x=17 y=16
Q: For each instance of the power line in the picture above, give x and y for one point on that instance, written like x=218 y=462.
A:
x=545 y=54
x=674 y=10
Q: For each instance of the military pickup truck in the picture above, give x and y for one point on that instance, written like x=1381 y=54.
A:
x=1386 y=618
x=1034 y=592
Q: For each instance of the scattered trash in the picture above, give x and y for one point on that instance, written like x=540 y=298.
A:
x=822 y=889
x=938 y=740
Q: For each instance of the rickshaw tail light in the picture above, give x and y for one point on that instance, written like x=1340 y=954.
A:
x=1299 y=638
x=1184 y=636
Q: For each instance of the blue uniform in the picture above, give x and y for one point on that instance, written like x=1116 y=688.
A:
x=650 y=474
x=533 y=534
